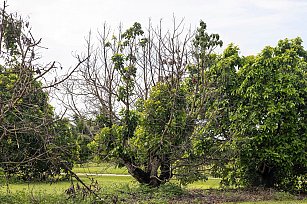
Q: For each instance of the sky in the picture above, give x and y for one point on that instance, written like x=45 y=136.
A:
x=250 y=24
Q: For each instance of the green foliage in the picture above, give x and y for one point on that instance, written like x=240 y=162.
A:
x=63 y=146
x=241 y=118
x=40 y=143
x=254 y=124
x=153 y=136
x=125 y=63
x=83 y=131
x=163 y=119
x=29 y=118
x=205 y=41
x=12 y=30
x=269 y=124
x=204 y=44
x=214 y=137
x=30 y=134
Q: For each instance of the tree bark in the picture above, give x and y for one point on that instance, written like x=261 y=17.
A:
x=165 y=168
x=150 y=176
x=136 y=172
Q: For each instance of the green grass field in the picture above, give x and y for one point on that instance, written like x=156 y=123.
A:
x=103 y=181
x=122 y=188
x=101 y=168
x=60 y=187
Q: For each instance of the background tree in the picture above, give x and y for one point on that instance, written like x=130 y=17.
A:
x=84 y=131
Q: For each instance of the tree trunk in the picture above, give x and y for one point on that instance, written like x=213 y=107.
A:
x=154 y=166
x=137 y=173
x=150 y=176
x=266 y=176
x=165 y=168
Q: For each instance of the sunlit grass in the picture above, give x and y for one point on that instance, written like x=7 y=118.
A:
x=106 y=168
x=211 y=183
x=103 y=181
x=101 y=168
x=61 y=186
x=121 y=187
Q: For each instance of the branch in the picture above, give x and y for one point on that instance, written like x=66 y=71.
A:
x=80 y=180
x=65 y=78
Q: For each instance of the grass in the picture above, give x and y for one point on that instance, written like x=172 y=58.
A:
x=103 y=181
x=61 y=186
x=211 y=183
x=124 y=189
x=121 y=188
x=106 y=168
x=42 y=192
x=99 y=168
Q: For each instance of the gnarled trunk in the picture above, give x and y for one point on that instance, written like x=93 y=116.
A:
x=150 y=176
x=137 y=173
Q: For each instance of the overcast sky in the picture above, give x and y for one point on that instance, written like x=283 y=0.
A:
x=250 y=24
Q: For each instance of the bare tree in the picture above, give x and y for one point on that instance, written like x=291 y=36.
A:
x=157 y=56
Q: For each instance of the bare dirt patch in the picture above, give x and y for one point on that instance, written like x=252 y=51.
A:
x=214 y=196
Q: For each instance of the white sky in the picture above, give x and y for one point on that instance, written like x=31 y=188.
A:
x=250 y=24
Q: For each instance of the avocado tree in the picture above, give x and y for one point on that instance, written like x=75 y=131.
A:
x=269 y=125
x=147 y=89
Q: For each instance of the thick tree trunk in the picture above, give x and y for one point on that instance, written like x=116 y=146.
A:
x=137 y=173
x=150 y=176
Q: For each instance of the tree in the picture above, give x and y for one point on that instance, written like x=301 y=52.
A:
x=148 y=97
x=84 y=131
x=24 y=137
x=269 y=125
x=29 y=130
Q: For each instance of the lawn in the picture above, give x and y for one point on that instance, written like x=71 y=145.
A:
x=99 y=168
x=60 y=187
x=124 y=189
x=103 y=181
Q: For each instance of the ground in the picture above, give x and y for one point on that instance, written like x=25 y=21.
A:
x=121 y=188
